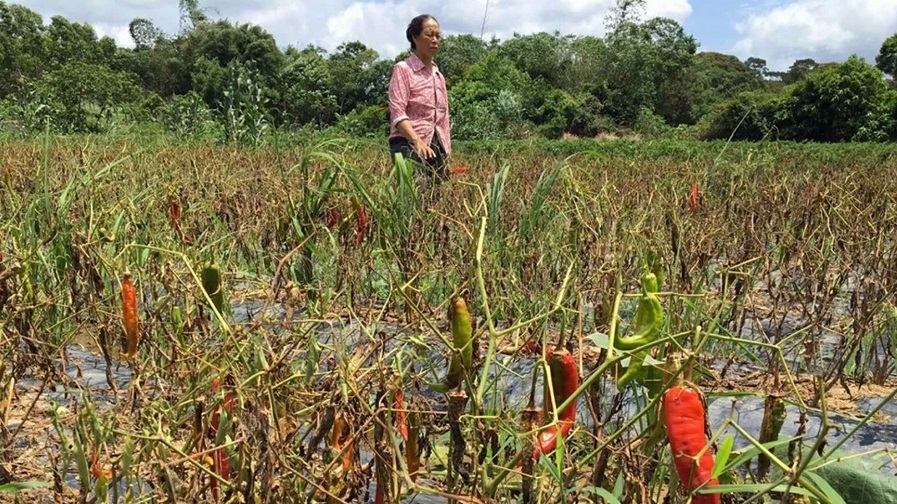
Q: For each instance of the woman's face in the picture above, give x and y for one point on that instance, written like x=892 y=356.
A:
x=430 y=37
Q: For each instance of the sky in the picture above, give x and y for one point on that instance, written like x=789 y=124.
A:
x=779 y=31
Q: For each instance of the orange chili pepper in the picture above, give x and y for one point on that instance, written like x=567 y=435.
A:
x=693 y=198
x=401 y=414
x=129 y=316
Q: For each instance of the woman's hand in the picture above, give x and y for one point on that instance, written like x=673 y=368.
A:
x=423 y=149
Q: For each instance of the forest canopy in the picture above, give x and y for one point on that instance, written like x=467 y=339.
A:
x=233 y=81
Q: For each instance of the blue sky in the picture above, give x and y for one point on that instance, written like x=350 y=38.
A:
x=779 y=31
x=712 y=23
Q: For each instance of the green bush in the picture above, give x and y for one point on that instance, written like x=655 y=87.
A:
x=748 y=116
x=552 y=109
x=881 y=123
x=372 y=122
x=589 y=118
x=188 y=116
x=474 y=121
x=649 y=124
x=834 y=103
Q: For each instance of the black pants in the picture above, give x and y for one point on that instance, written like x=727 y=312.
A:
x=434 y=167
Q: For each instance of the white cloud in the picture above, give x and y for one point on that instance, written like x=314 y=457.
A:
x=380 y=24
x=120 y=34
x=675 y=9
x=825 y=30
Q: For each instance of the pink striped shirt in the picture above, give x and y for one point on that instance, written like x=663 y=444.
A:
x=419 y=96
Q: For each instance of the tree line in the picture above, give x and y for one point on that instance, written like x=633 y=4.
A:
x=232 y=81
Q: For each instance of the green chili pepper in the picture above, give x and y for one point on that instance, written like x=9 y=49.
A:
x=211 y=283
x=462 y=343
x=648 y=317
x=648 y=322
x=633 y=371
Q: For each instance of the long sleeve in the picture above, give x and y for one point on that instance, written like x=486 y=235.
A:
x=399 y=92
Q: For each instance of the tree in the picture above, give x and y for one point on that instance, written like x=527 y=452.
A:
x=355 y=77
x=163 y=69
x=833 y=103
x=66 y=42
x=224 y=42
x=191 y=14
x=305 y=88
x=643 y=59
x=589 y=58
x=457 y=54
x=887 y=56
x=719 y=77
x=540 y=56
x=212 y=47
x=625 y=11
x=85 y=95
x=144 y=33
x=748 y=116
x=757 y=65
x=488 y=98
x=22 y=55
x=552 y=109
x=798 y=70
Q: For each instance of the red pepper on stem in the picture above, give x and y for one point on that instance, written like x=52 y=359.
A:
x=693 y=198
x=564 y=381
x=129 y=316
x=219 y=458
x=684 y=418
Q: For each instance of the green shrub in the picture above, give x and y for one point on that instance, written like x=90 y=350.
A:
x=748 y=116
x=372 y=122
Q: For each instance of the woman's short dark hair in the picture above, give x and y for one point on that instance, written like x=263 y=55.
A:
x=415 y=27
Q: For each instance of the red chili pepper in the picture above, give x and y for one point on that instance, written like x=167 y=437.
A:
x=361 y=224
x=684 y=418
x=378 y=494
x=401 y=414
x=219 y=458
x=174 y=213
x=129 y=316
x=564 y=380
x=693 y=198
x=331 y=218
x=221 y=468
x=214 y=423
x=532 y=346
x=95 y=468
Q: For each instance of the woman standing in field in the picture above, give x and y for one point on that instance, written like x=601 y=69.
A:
x=418 y=102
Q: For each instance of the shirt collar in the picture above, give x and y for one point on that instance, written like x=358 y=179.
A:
x=417 y=65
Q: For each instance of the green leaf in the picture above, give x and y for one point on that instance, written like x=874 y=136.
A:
x=722 y=456
x=858 y=480
x=753 y=489
x=833 y=496
x=754 y=451
x=552 y=468
x=600 y=492
x=600 y=340
x=18 y=486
